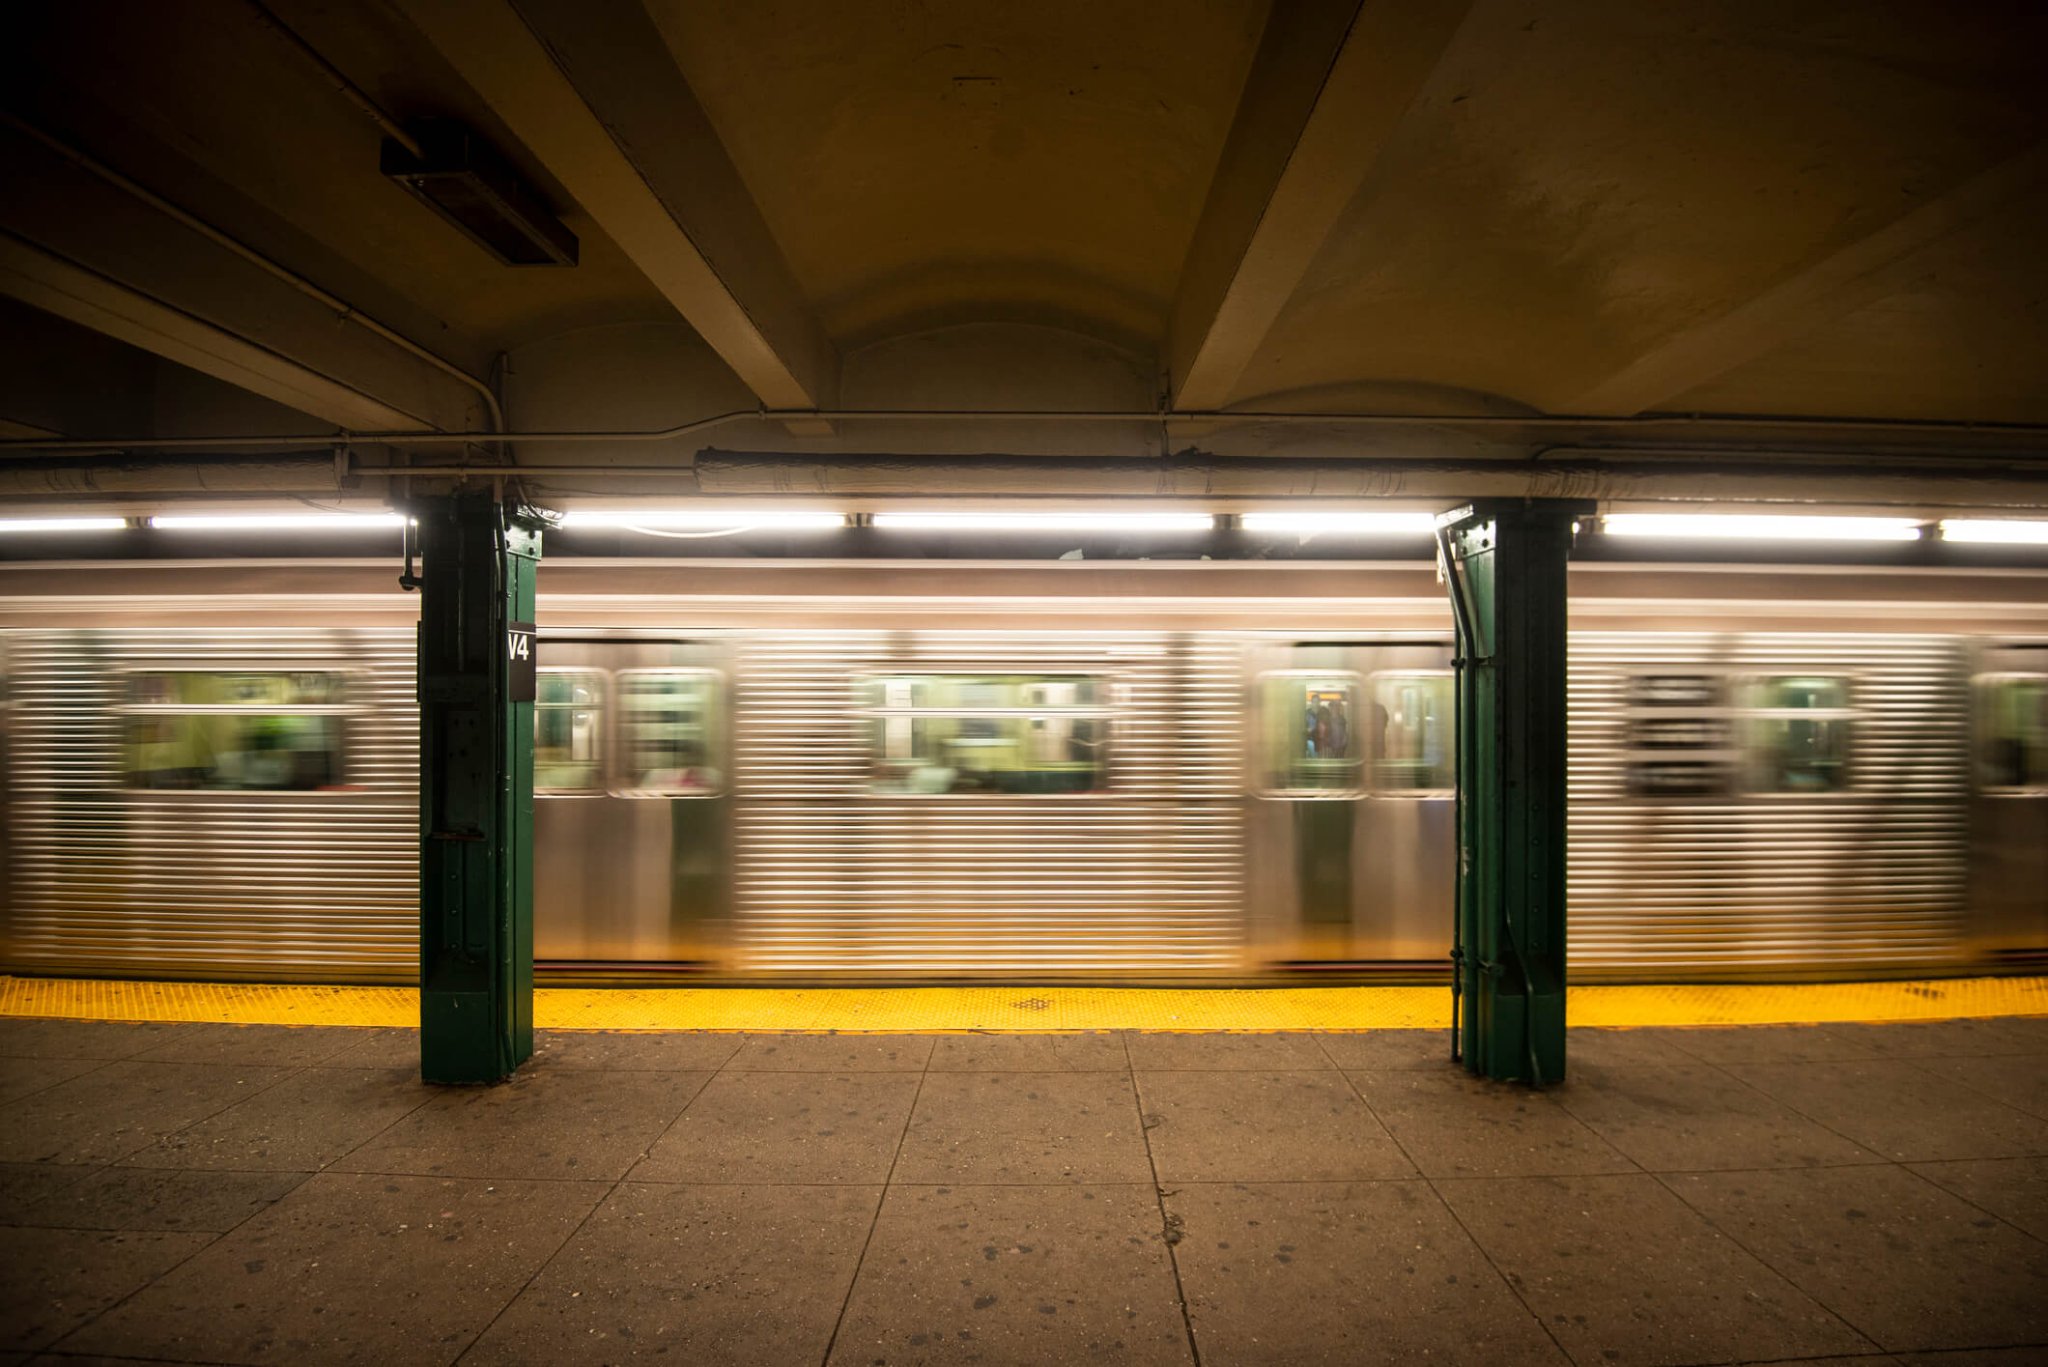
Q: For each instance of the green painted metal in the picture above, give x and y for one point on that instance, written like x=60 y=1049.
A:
x=1504 y=565
x=476 y=792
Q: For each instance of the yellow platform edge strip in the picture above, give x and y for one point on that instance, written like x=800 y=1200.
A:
x=1031 y=1010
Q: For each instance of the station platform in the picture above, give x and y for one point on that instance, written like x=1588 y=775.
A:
x=210 y=1192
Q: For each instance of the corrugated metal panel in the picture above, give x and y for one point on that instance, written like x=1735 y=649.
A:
x=1870 y=877
x=1145 y=877
x=279 y=885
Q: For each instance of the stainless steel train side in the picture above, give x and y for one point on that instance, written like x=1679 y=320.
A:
x=1033 y=774
x=107 y=875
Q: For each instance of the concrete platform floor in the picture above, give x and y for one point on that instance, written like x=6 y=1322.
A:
x=252 y=1194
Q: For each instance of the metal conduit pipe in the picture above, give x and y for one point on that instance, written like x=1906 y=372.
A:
x=736 y=474
x=1819 y=427
x=243 y=475
x=344 y=310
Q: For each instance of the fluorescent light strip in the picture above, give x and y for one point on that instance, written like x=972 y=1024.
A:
x=1993 y=532
x=62 y=524
x=1731 y=526
x=1361 y=524
x=737 y=519
x=1047 y=522
x=278 y=522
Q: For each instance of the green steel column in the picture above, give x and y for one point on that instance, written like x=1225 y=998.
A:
x=476 y=788
x=1504 y=566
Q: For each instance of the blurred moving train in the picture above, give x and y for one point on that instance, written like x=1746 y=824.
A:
x=1131 y=770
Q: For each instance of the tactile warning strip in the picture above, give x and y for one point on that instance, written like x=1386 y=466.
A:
x=885 y=1010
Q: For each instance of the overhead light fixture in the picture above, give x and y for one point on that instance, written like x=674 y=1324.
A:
x=463 y=179
x=278 y=522
x=697 y=519
x=1356 y=524
x=1766 y=527
x=1995 y=532
x=62 y=524
x=1046 y=522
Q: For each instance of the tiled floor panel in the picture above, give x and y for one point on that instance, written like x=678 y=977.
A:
x=211 y=1193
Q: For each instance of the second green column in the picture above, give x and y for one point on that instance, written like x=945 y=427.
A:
x=476 y=675
x=1504 y=565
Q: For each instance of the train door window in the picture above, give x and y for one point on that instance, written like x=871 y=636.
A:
x=1797 y=733
x=1411 y=733
x=568 y=731
x=2012 y=733
x=933 y=734
x=238 y=731
x=1311 y=744
x=1678 y=735
x=671 y=731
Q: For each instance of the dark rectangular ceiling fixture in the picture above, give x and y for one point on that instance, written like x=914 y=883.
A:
x=462 y=178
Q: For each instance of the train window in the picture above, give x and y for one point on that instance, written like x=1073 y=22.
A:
x=1311 y=742
x=671 y=731
x=1679 y=737
x=1796 y=731
x=988 y=733
x=236 y=731
x=568 y=731
x=1680 y=733
x=1411 y=718
x=1674 y=690
x=1677 y=778
x=2012 y=732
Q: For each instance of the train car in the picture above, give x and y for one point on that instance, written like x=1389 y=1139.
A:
x=1134 y=771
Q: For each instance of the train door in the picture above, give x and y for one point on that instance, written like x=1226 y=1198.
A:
x=2009 y=800
x=632 y=805
x=1351 y=820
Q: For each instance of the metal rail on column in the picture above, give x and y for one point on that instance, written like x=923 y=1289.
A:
x=1503 y=563
x=476 y=689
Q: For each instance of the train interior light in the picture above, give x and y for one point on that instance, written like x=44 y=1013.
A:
x=1995 y=532
x=1766 y=527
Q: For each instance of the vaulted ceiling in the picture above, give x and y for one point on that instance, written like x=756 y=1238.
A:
x=1684 y=230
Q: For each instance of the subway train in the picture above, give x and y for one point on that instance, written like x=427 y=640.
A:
x=1133 y=771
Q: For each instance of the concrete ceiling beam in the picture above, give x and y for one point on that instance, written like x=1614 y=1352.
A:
x=1329 y=86
x=49 y=282
x=85 y=250
x=589 y=88
x=1876 y=265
